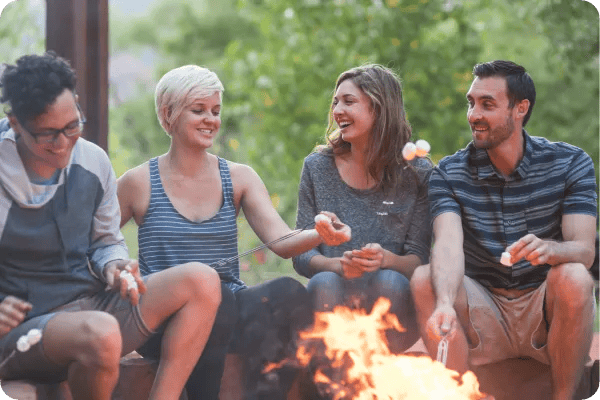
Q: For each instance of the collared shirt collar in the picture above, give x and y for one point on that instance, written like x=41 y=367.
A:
x=482 y=168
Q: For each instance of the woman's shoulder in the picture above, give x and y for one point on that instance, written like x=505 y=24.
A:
x=136 y=177
x=423 y=167
x=318 y=158
x=241 y=173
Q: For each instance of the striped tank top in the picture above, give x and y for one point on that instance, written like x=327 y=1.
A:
x=166 y=238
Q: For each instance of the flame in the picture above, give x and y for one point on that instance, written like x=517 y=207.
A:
x=355 y=362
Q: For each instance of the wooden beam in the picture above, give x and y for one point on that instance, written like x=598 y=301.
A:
x=78 y=31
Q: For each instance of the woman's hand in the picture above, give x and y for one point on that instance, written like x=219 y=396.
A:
x=124 y=276
x=350 y=269
x=370 y=257
x=331 y=230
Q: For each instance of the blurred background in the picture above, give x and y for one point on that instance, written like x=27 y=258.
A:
x=279 y=60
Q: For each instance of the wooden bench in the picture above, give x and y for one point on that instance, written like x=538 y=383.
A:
x=136 y=376
x=512 y=379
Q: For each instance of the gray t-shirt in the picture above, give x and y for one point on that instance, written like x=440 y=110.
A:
x=400 y=222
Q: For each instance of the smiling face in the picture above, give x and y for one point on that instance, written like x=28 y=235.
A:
x=45 y=158
x=490 y=116
x=353 y=113
x=199 y=122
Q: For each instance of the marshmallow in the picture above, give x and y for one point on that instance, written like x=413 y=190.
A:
x=423 y=148
x=505 y=259
x=409 y=151
x=131 y=283
x=23 y=344
x=34 y=336
x=322 y=218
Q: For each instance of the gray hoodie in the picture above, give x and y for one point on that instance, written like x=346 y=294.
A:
x=56 y=239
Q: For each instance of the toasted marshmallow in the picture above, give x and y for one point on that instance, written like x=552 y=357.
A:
x=505 y=259
x=423 y=148
x=131 y=283
x=322 y=218
x=409 y=151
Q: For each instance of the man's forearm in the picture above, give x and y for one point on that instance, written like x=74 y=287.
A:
x=447 y=271
x=573 y=251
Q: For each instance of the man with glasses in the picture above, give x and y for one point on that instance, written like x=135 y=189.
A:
x=64 y=266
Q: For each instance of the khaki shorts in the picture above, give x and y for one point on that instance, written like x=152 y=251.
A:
x=33 y=364
x=506 y=328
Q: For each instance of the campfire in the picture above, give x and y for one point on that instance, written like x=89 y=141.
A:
x=348 y=353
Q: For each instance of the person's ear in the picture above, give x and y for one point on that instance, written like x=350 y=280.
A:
x=166 y=112
x=12 y=120
x=522 y=108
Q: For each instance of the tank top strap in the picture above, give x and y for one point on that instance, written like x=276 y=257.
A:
x=156 y=188
x=226 y=182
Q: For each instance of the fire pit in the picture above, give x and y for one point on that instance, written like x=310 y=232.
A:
x=347 y=353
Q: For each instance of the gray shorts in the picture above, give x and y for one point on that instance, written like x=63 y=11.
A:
x=33 y=364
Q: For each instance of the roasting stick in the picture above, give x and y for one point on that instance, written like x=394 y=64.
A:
x=442 y=353
x=24 y=344
x=225 y=261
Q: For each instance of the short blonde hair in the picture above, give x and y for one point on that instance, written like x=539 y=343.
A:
x=179 y=87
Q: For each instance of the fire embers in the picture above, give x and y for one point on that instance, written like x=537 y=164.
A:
x=349 y=356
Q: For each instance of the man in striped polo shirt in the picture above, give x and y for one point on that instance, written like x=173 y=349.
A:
x=531 y=198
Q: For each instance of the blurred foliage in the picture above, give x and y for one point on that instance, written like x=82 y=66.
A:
x=21 y=31
x=279 y=60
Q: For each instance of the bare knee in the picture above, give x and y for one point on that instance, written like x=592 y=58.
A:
x=101 y=341
x=570 y=285
x=200 y=282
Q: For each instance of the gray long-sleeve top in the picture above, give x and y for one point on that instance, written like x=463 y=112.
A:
x=400 y=222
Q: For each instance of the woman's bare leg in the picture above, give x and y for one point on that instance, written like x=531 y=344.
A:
x=190 y=294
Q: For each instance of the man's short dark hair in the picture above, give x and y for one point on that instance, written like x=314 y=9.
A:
x=519 y=83
x=34 y=83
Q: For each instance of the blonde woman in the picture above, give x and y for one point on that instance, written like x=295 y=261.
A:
x=185 y=203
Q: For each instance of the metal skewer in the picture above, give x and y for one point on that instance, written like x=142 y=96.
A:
x=442 y=353
x=226 y=261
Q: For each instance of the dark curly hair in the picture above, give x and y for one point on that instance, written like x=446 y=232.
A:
x=34 y=83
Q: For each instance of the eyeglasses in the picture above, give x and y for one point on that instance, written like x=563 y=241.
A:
x=50 y=136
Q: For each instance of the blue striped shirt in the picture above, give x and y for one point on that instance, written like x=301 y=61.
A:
x=166 y=238
x=552 y=179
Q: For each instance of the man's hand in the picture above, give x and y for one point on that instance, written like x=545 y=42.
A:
x=532 y=249
x=331 y=230
x=12 y=312
x=370 y=257
x=443 y=322
x=118 y=275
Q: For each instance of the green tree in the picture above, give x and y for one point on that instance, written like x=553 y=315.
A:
x=279 y=61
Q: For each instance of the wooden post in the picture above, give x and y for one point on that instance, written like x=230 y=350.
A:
x=78 y=31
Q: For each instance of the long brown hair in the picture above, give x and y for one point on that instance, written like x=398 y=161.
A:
x=391 y=129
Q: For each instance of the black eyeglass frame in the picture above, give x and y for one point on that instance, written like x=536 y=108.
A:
x=50 y=137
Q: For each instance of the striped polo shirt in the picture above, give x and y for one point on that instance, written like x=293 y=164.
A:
x=166 y=238
x=552 y=179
